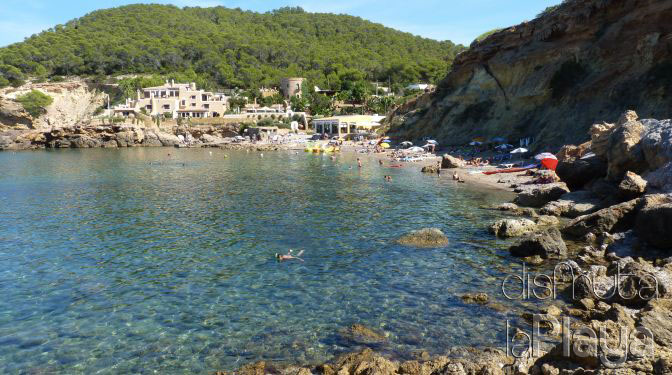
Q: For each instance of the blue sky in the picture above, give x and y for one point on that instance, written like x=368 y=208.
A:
x=457 y=20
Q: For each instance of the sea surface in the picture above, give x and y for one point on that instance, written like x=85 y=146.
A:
x=161 y=260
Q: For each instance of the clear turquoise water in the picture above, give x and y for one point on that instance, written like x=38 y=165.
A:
x=133 y=261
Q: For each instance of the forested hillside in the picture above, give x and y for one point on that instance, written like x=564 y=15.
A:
x=226 y=47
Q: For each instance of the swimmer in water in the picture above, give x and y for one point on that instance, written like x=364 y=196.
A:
x=359 y=163
x=289 y=256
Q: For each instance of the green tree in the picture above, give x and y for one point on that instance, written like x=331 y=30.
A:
x=35 y=102
x=11 y=75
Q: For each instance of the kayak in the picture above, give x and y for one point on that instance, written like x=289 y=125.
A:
x=508 y=170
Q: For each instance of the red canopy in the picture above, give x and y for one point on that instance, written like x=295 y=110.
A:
x=550 y=163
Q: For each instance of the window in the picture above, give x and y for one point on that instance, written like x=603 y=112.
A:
x=204 y=98
x=148 y=106
x=166 y=106
x=193 y=104
x=193 y=97
x=184 y=102
x=206 y=106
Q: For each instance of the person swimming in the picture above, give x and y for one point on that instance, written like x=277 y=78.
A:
x=359 y=163
x=289 y=256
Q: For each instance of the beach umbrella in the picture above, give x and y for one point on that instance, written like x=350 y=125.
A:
x=432 y=142
x=406 y=143
x=545 y=155
x=503 y=147
x=475 y=143
x=519 y=150
x=550 y=163
x=416 y=149
x=385 y=145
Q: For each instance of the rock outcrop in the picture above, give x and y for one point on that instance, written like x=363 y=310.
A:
x=424 y=238
x=547 y=244
x=448 y=161
x=612 y=219
x=512 y=227
x=539 y=195
x=551 y=77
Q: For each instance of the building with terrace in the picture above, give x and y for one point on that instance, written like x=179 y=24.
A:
x=175 y=100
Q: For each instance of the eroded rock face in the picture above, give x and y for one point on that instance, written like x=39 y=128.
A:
x=612 y=219
x=654 y=221
x=512 y=227
x=424 y=238
x=547 y=244
x=508 y=84
x=539 y=195
x=661 y=178
x=624 y=152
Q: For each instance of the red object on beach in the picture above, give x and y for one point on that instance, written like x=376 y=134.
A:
x=550 y=163
x=396 y=166
x=508 y=170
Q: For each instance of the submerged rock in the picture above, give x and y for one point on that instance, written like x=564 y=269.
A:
x=547 y=244
x=512 y=227
x=426 y=238
x=477 y=298
x=361 y=334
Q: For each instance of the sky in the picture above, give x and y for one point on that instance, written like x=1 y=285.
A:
x=457 y=20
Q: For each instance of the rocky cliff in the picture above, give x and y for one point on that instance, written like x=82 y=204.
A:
x=74 y=103
x=553 y=77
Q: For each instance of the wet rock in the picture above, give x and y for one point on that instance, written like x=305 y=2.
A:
x=257 y=368
x=429 y=169
x=511 y=207
x=577 y=173
x=424 y=238
x=366 y=363
x=654 y=221
x=546 y=221
x=448 y=161
x=361 y=334
x=512 y=227
x=547 y=243
x=572 y=205
x=632 y=186
x=539 y=195
x=616 y=218
x=475 y=298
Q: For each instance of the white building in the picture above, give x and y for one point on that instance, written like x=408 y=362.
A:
x=179 y=100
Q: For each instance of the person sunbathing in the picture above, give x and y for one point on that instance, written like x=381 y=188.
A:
x=289 y=256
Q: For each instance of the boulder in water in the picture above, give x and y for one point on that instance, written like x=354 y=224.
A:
x=512 y=227
x=425 y=238
x=448 y=161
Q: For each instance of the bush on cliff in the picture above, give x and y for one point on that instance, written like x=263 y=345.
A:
x=35 y=102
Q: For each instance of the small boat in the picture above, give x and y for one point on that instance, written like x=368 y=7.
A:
x=508 y=170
